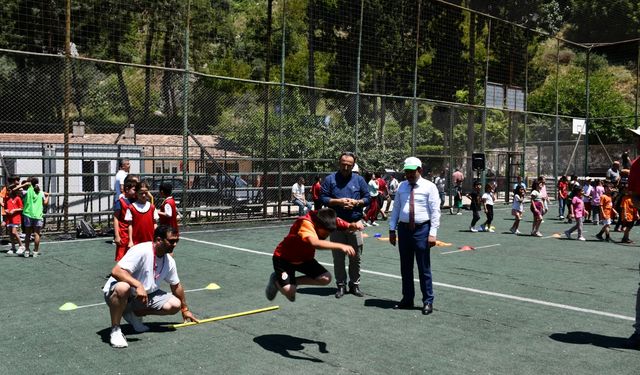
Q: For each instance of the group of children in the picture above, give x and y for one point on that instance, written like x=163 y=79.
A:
x=23 y=207
x=135 y=217
x=600 y=201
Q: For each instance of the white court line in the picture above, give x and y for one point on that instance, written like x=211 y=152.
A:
x=104 y=303
x=476 y=248
x=472 y=290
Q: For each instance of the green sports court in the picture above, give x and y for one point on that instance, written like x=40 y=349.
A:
x=514 y=305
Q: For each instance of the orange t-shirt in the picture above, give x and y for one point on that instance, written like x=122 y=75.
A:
x=606 y=206
x=629 y=212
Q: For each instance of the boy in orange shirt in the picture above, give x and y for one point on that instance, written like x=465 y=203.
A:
x=607 y=213
x=628 y=213
x=297 y=250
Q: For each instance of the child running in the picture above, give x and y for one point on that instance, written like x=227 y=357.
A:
x=13 y=211
x=517 y=208
x=606 y=213
x=474 y=196
x=487 y=203
x=629 y=215
x=143 y=217
x=577 y=208
x=296 y=252
x=457 y=198
x=537 y=207
x=33 y=215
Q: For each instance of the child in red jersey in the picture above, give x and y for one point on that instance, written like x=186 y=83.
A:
x=120 y=224
x=296 y=252
x=13 y=210
x=143 y=217
x=168 y=211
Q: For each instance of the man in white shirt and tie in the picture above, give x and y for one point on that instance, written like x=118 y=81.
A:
x=416 y=217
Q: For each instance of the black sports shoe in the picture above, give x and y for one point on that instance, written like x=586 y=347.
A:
x=355 y=290
x=272 y=289
x=341 y=291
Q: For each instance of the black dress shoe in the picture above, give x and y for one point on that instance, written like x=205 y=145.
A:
x=427 y=309
x=403 y=306
x=355 y=290
x=341 y=291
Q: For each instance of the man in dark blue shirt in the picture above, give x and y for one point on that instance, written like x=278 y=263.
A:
x=347 y=193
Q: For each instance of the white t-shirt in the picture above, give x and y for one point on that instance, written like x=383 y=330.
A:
x=139 y=262
x=393 y=186
x=142 y=208
x=440 y=183
x=586 y=193
x=536 y=196
x=120 y=176
x=518 y=203
x=297 y=191
x=488 y=198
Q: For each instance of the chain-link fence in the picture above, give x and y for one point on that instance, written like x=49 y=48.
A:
x=232 y=102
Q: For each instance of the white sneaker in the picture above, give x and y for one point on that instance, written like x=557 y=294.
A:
x=25 y=254
x=473 y=229
x=538 y=234
x=10 y=253
x=459 y=213
x=20 y=251
x=135 y=321
x=35 y=253
x=375 y=224
x=491 y=230
x=517 y=232
x=367 y=224
x=117 y=339
x=581 y=238
x=567 y=234
x=272 y=289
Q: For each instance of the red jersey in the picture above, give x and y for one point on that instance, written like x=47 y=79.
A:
x=12 y=204
x=634 y=177
x=171 y=221
x=315 y=191
x=562 y=190
x=143 y=224
x=382 y=187
x=295 y=247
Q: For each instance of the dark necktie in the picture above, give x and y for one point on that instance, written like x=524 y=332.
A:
x=412 y=210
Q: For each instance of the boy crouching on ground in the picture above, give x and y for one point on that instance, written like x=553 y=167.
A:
x=296 y=252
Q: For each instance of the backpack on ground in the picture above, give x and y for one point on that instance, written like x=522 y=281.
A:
x=85 y=230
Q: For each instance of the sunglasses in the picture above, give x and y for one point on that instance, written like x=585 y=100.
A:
x=173 y=241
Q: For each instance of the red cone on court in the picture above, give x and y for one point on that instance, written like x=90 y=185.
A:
x=466 y=248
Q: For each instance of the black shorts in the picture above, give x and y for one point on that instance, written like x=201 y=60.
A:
x=285 y=271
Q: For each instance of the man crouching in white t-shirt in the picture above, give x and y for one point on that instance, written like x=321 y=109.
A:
x=133 y=290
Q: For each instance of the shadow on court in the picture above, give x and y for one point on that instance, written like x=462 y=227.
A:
x=285 y=344
x=586 y=338
x=380 y=303
x=323 y=291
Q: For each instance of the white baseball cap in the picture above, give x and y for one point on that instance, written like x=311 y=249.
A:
x=412 y=163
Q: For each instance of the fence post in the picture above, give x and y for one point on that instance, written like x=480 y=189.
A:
x=586 y=122
x=414 y=127
x=557 y=122
x=281 y=117
x=67 y=109
x=484 y=111
x=185 y=129
x=358 y=78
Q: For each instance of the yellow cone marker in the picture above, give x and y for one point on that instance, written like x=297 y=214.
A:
x=212 y=286
x=222 y=317
x=68 y=306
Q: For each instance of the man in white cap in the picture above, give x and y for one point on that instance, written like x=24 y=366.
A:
x=416 y=217
x=634 y=188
